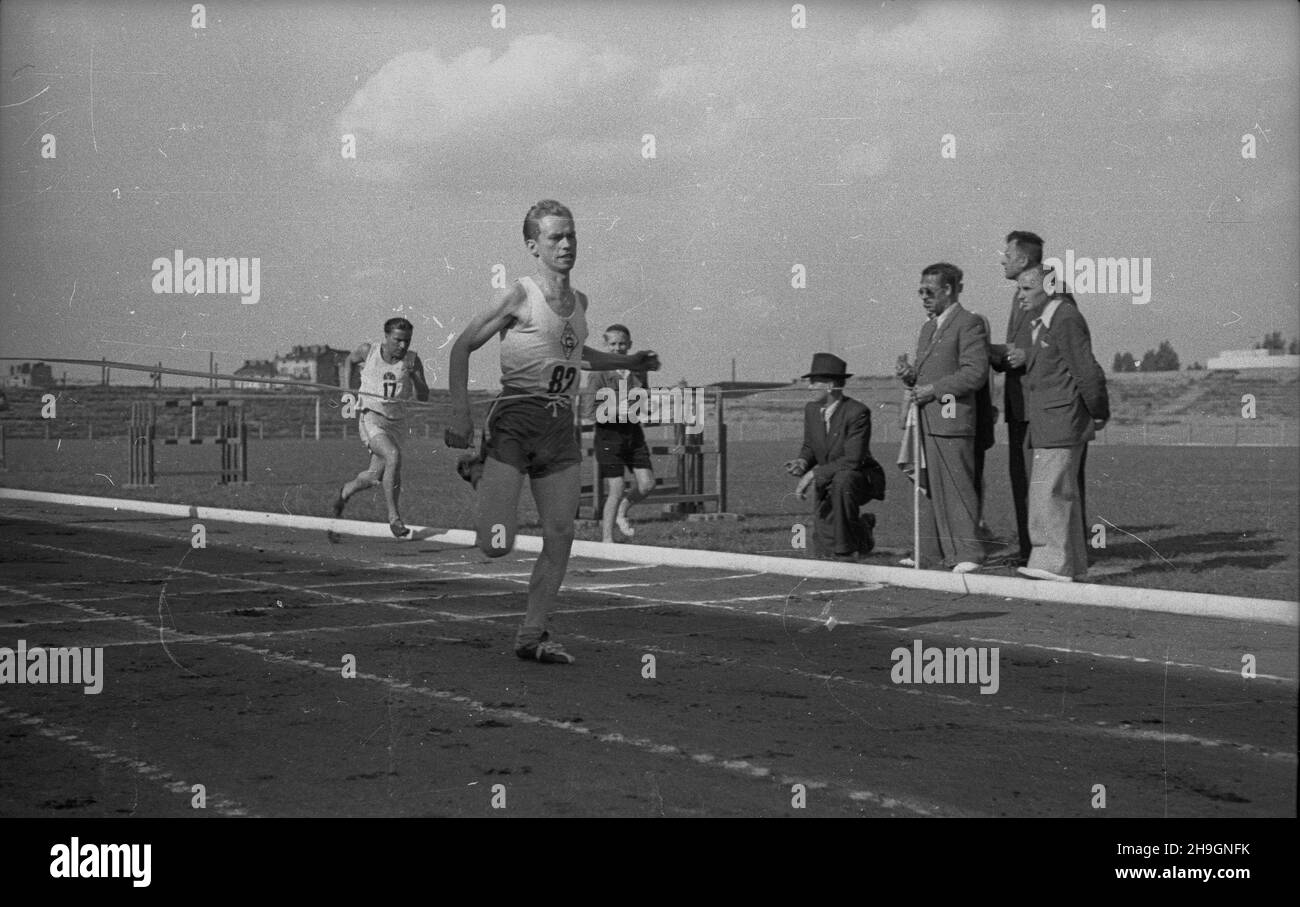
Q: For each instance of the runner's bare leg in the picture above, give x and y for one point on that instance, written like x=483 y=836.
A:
x=613 y=496
x=557 y=497
x=369 y=477
x=391 y=456
x=497 y=521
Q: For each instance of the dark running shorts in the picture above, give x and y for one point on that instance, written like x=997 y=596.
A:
x=532 y=435
x=621 y=447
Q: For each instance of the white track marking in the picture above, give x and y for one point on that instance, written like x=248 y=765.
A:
x=46 y=728
x=1121 y=731
x=460 y=702
x=519 y=716
x=722 y=604
x=1136 y=659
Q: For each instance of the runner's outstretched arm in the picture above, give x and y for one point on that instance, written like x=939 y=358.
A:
x=481 y=328
x=601 y=360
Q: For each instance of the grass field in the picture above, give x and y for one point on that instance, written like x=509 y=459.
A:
x=1221 y=520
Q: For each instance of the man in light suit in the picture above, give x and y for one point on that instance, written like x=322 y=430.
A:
x=952 y=364
x=836 y=462
x=1065 y=403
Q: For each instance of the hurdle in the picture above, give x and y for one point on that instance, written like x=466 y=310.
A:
x=684 y=490
x=231 y=437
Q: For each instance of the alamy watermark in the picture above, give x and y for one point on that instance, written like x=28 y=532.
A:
x=75 y=860
x=973 y=664
x=1123 y=276
x=197 y=276
x=55 y=665
x=651 y=406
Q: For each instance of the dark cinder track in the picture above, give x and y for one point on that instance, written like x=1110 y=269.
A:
x=223 y=667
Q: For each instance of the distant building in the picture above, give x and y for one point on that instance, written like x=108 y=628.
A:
x=28 y=374
x=318 y=364
x=257 y=368
x=1233 y=360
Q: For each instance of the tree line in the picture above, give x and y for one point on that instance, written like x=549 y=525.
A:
x=1165 y=359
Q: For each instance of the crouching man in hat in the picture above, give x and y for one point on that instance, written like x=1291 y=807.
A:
x=836 y=462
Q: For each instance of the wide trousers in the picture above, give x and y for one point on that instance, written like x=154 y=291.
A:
x=949 y=516
x=1020 y=457
x=1055 y=523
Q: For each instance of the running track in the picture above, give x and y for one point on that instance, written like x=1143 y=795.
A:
x=224 y=668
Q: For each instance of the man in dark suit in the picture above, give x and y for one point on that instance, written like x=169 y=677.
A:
x=836 y=462
x=1065 y=402
x=986 y=418
x=952 y=364
x=1024 y=250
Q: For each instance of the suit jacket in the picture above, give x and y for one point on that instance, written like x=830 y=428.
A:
x=986 y=414
x=846 y=446
x=1065 y=388
x=955 y=359
x=1018 y=335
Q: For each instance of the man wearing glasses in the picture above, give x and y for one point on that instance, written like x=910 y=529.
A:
x=952 y=364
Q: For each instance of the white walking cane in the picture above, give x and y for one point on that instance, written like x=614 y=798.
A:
x=914 y=416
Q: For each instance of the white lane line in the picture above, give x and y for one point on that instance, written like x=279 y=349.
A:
x=1135 y=659
x=1121 y=731
x=736 y=766
x=518 y=579
x=720 y=604
x=46 y=728
x=742 y=767
x=728 y=605
x=716 y=604
x=431 y=617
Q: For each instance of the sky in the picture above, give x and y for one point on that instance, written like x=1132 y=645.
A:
x=751 y=181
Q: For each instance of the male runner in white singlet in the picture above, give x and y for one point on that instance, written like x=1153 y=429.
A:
x=530 y=428
x=389 y=373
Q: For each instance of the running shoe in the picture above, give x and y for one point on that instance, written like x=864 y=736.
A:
x=398 y=528
x=545 y=650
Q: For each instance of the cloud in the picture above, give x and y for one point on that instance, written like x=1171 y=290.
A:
x=420 y=109
x=942 y=33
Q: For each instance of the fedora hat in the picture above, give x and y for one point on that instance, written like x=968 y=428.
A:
x=827 y=365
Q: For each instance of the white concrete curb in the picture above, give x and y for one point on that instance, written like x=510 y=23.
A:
x=1257 y=610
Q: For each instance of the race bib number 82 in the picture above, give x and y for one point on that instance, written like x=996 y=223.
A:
x=560 y=375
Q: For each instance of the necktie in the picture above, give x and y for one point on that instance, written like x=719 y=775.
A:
x=927 y=340
x=1037 y=325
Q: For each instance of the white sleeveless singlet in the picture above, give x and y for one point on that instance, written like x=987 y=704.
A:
x=385 y=384
x=541 y=353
